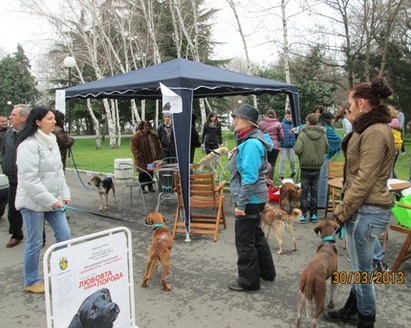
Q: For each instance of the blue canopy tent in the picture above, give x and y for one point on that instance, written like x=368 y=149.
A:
x=189 y=80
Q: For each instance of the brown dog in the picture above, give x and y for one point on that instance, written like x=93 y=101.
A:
x=161 y=245
x=312 y=282
x=289 y=197
x=279 y=219
x=103 y=187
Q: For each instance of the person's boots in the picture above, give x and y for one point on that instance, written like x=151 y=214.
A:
x=365 y=321
x=348 y=313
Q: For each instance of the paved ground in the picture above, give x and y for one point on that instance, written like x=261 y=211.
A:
x=200 y=272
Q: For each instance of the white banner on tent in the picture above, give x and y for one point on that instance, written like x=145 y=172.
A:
x=172 y=102
x=60 y=101
x=88 y=273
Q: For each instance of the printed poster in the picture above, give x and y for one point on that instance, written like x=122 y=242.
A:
x=172 y=102
x=60 y=101
x=94 y=285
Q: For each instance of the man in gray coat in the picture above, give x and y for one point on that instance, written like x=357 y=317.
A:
x=8 y=152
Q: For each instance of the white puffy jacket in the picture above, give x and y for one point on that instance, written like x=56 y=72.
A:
x=41 y=180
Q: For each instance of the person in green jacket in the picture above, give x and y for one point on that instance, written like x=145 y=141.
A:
x=310 y=147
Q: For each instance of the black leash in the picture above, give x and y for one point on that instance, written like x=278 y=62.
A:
x=77 y=171
x=212 y=150
x=69 y=207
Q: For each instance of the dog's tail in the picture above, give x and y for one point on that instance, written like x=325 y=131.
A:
x=295 y=215
x=315 y=288
x=308 y=287
x=153 y=264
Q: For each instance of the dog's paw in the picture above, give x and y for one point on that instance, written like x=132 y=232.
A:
x=167 y=288
x=279 y=252
x=144 y=284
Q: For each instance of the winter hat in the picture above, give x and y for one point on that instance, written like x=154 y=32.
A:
x=271 y=113
x=247 y=112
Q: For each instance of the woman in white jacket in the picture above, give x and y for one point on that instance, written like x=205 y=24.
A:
x=41 y=191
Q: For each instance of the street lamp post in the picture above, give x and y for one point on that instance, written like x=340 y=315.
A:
x=69 y=62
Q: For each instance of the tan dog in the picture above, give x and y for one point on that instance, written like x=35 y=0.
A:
x=279 y=219
x=207 y=161
x=103 y=187
x=290 y=197
x=161 y=245
x=312 y=282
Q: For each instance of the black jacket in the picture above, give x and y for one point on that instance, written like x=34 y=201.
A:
x=8 y=152
x=212 y=135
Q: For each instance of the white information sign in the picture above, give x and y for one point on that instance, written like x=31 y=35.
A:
x=172 y=102
x=60 y=102
x=92 y=281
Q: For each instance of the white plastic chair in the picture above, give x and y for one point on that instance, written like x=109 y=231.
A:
x=131 y=181
x=165 y=179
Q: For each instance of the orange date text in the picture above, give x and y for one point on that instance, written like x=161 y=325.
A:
x=363 y=277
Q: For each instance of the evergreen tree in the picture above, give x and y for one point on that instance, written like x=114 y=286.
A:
x=17 y=84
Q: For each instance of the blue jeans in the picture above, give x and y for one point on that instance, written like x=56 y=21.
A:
x=34 y=224
x=323 y=185
x=378 y=251
x=362 y=229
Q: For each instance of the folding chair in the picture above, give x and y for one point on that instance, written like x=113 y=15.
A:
x=204 y=195
x=335 y=170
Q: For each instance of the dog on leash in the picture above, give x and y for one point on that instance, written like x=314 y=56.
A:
x=97 y=310
x=280 y=220
x=213 y=159
x=159 y=250
x=312 y=282
x=103 y=187
x=290 y=197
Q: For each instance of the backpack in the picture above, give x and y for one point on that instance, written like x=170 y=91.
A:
x=397 y=138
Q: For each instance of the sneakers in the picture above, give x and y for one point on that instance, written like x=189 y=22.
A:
x=37 y=288
x=314 y=218
x=303 y=219
x=380 y=266
x=292 y=175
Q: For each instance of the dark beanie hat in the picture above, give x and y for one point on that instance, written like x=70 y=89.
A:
x=248 y=113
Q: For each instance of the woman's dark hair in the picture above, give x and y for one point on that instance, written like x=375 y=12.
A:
x=375 y=92
x=325 y=119
x=210 y=115
x=320 y=108
x=142 y=123
x=31 y=127
x=59 y=118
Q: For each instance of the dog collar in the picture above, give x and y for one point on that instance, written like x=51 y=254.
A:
x=157 y=225
x=329 y=238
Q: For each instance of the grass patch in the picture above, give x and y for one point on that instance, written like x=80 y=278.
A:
x=87 y=157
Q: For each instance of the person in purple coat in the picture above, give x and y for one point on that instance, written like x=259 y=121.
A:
x=272 y=126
